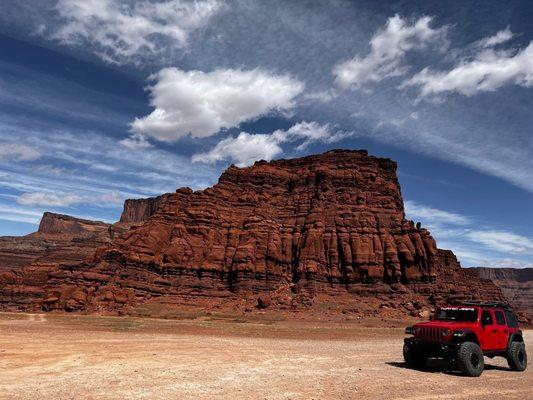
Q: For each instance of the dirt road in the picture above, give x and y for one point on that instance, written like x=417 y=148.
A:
x=79 y=357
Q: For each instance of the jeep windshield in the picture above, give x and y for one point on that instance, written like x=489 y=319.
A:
x=460 y=314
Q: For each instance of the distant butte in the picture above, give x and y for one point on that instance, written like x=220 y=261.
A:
x=320 y=234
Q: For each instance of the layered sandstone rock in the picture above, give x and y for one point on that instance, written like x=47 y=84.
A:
x=60 y=238
x=516 y=284
x=325 y=232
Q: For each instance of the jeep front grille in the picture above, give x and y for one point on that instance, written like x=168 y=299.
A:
x=430 y=333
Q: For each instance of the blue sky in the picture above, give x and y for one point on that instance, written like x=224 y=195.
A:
x=103 y=100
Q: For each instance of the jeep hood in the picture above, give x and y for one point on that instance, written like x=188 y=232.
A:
x=446 y=324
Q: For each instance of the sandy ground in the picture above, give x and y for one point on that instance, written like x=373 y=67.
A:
x=82 y=357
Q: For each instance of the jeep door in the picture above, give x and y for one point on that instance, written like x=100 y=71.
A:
x=488 y=337
x=502 y=331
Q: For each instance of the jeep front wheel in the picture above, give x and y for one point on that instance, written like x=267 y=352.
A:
x=517 y=357
x=470 y=359
x=413 y=358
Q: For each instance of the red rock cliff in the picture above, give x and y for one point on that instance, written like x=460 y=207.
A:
x=139 y=210
x=284 y=233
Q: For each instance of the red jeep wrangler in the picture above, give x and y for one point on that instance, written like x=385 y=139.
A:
x=465 y=333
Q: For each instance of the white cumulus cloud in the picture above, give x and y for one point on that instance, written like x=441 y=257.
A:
x=136 y=141
x=18 y=152
x=202 y=103
x=120 y=31
x=487 y=71
x=243 y=149
x=247 y=148
x=388 y=49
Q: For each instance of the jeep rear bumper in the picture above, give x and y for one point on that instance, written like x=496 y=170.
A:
x=446 y=350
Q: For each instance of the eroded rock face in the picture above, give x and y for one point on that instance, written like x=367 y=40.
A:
x=516 y=284
x=139 y=210
x=324 y=229
x=334 y=218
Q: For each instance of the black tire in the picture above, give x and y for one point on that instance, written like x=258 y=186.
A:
x=517 y=356
x=470 y=359
x=413 y=358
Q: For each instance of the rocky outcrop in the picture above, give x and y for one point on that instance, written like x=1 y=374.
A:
x=57 y=224
x=516 y=284
x=69 y=240
x=324 y=232
x=139 y=210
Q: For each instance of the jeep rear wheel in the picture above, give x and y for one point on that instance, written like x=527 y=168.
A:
x=517 y=357
x=414 y=358
x=470 y=359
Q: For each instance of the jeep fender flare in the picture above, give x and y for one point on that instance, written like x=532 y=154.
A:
x=515 y=337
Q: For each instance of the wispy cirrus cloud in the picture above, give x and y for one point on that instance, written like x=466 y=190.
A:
x=434 y=215
x=19 y=214
x=489 y=70
x=388 y=48
x=500 y=37
x=506 y=263
x=122 y=32
x=91 y=159
x=48 y=199
x=462 y=234
x=18 y=152
x=502 y=241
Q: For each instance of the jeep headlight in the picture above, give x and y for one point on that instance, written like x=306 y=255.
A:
x=409 y=330
x=416 y=330
x=447 y=332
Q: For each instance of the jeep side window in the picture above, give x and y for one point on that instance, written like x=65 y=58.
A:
x=511 y=319
x=500 y=319
x=486 y=317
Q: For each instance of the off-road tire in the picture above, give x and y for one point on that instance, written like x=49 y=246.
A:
x=414 y=359
x=470 y=359
x=517 y=357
